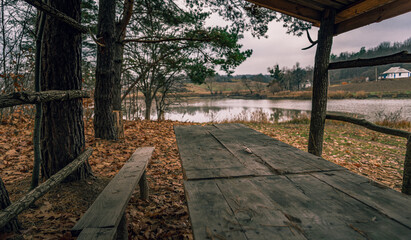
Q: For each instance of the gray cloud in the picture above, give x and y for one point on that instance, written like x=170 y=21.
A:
x=285 y=50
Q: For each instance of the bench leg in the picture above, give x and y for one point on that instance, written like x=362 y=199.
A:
x=143 y=187
x=122 y=231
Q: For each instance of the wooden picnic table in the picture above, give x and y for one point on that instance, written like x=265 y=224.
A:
x=242 y=184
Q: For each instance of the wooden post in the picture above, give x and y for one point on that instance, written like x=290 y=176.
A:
x=122 y=230
x=320 y=82
x=406 y=177
x=144 y=190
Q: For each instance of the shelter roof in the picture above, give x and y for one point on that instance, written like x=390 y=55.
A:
x=351 y=14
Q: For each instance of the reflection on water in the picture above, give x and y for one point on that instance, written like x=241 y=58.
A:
x=207 y=110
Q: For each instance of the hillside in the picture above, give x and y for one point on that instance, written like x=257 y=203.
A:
x=397 y=85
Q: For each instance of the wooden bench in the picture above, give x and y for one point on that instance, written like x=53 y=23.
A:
x=105 y=219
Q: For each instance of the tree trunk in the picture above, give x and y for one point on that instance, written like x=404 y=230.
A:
x=13 y=225
x=104 y=126
x=320 y=82
x=62 y=126
x=118 y=63
x=148 y=101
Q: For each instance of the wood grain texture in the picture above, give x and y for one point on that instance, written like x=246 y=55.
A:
x=22 y=204
x=108 y=208
x=290 y=195
x=97 y=234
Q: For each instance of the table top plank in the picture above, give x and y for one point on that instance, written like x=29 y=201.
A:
x=211 y=216
x=201 y=153
x=270 y=190
x=384 y=199
x=272 y=151
x=256 y=213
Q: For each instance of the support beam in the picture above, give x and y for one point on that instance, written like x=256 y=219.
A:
x=291 y=9
x=406 y=176
x=401 y=57
x=57 y=14
x=360 y=8
x=370 y=125
x=17 y=207
x=20 y=98
x=320 y=82
x=379 y=14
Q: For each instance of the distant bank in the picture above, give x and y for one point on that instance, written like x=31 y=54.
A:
x=387 y=88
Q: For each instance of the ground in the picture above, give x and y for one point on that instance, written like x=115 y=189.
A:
x=386 y=85
x=164 y=215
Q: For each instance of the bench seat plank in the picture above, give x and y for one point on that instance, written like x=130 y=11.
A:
x=98 y=234
x=108 y=208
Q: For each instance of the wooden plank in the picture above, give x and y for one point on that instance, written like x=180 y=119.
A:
x=278 y=155
x=201 y=153
x=389 y=10
x=323 y=212
x=210 y=215
x=241 y=152
x=387 y=201
x=97 y=234
x=291 y=9
x=108 y=208
x=256 y=213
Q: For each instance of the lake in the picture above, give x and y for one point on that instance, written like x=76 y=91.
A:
x=208 y=109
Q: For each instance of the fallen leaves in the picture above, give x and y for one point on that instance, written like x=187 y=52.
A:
x=163 y=216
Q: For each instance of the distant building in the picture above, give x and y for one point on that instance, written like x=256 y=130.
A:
x=396 y=72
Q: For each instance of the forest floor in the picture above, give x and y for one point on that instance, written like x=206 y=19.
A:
x=164 y=215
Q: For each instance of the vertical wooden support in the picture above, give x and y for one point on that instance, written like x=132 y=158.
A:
x=320 y=82
x=122 y=231
x=143 y=187
x=406 y=177
x=118 y=123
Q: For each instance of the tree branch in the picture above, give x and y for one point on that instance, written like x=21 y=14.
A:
x=17 y=207
x=144 y=40
x=122 y=25
x=369 y=125
x=401 y=57
x=57 y=14
x=20 y=98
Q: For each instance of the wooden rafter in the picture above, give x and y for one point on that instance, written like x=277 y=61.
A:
x=350 y=14
x=292 y=9
x=376 y=15
x=360 y=8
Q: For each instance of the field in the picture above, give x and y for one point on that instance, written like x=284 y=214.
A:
x=398 y=88
x=389 y=85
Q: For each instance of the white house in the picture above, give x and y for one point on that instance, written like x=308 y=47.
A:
x=396 y=72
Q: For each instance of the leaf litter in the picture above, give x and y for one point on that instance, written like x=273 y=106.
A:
x=165 y=215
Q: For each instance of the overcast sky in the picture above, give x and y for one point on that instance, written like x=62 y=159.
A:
x=285 y=50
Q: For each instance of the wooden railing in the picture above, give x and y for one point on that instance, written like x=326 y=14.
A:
x=8 y=215
x=406 y=181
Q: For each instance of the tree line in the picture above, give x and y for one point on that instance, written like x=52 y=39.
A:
x=360 y=74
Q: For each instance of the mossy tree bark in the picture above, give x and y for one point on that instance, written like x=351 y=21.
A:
x=62 y=125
